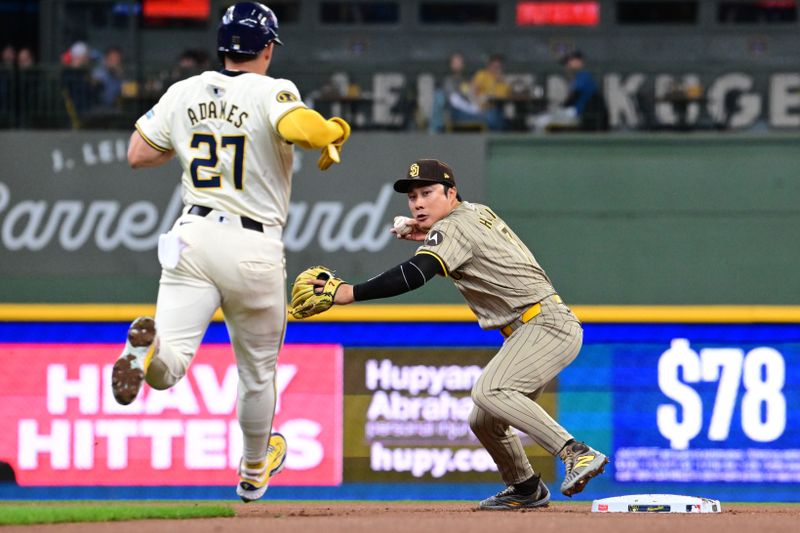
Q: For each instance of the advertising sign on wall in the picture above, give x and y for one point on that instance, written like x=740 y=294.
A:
x=702 y=409
x=695 y=412
x=406 y=416
x=72 y=204
x=62 y=426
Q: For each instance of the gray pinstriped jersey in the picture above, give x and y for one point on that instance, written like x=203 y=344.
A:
x=494 y=270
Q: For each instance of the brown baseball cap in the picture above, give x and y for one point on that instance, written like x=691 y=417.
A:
x=424 y=171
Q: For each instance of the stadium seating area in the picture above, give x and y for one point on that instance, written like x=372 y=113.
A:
x=661 y=65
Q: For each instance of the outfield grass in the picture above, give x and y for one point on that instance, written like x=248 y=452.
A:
x=40 y=513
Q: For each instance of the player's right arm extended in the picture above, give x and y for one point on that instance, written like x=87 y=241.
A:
x=308 y=129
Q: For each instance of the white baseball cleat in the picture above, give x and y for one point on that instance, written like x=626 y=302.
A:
x=254 y=478
x=128 y=373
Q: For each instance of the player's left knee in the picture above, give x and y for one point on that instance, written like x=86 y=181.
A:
x=475 y=419
x=158 y=375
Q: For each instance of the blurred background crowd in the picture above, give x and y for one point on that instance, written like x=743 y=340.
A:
x=424 y=65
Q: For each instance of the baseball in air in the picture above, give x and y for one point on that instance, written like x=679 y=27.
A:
x=401 y=226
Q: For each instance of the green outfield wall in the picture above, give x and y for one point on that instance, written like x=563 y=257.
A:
x=617 y=220
x=659 y=219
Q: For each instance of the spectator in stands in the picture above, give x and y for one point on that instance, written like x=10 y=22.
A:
x=9 y=56
x=77 y=82
x=489 y=84
x=7 y=93
x=454 y=101
x=203 y=59
x=192 y=61
x=30 y=87
x=584 y=107
x=77 y=55
x=25 y=59
x=107 y=78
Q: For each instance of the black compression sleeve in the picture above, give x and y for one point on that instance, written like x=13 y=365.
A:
x=403 y=278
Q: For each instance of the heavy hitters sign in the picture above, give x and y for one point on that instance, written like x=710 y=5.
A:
x=406 y=417
x=63 y=427
x=70 y=208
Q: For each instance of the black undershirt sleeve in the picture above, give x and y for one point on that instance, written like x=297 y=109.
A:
x=403 y=278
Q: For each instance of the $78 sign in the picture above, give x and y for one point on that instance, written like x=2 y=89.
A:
x=762 y=372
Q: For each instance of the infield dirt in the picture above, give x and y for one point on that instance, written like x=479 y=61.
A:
x=442 y=517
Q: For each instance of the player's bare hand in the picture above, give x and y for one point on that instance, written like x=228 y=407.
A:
x=344 y=294
x=408 y=229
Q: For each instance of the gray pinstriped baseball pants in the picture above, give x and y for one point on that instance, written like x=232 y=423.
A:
x=506 y=392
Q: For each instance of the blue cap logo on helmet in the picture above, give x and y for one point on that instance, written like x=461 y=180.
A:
x=247 y=28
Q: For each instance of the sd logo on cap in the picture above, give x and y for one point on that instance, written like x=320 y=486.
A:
x=426 y=171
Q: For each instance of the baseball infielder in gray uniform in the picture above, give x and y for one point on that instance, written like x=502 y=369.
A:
x=507 y=289
x=233 y=133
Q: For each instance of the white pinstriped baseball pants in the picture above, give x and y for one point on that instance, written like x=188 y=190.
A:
x=243 y=272
x=506 y=392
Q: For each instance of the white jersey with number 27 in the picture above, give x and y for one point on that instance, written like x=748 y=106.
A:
x=223 y=128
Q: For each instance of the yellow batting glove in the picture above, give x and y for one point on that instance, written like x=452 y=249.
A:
x=332 y=153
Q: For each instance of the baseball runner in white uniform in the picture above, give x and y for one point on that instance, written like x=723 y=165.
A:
x=232 y=132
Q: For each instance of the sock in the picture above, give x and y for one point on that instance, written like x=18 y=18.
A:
x=570 y=441
x=527 y=487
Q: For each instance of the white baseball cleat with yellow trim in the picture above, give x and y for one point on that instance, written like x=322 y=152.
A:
x=254 y=478
x=128 y=373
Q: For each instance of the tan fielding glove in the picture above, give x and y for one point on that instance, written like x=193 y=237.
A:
x=332 y=153
x=309 y=300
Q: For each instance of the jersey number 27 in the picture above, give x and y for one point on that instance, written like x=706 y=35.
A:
x=237 y=142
